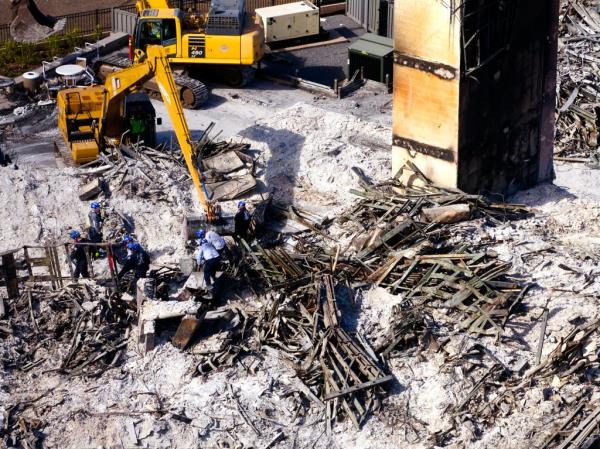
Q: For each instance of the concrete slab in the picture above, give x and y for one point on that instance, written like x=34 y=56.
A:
x=160 y=310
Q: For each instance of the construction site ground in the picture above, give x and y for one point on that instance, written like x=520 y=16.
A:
x=308 y=150
x=305 y=147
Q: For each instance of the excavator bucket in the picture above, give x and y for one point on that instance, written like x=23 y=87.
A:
x=30 y=25
x=224 y=225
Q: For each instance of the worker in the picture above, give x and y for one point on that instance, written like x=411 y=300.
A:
x=137 y=259
x=78 y=255
x=208 y=256
x=96 y=221
x=214 y=239
x=242 y=221
x=4 y=159
x=127 y=239
x=137 y=128
x=152 y=32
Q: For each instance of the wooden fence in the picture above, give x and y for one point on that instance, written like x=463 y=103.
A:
x=100 y=20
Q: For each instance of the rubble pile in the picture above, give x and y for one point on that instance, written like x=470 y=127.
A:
x=78 y=330
x=158 y=174
x=469 y=290
x=455 y=300
x=579 y=50
x=340 y=369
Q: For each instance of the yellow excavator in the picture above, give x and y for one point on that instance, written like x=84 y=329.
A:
x=226 y=39
x=90 y=117
x=226 y=36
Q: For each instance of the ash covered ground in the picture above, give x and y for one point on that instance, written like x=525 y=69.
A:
x=305 y=147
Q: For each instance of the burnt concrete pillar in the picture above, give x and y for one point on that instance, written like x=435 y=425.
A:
x=10 y=275
x=475 y=91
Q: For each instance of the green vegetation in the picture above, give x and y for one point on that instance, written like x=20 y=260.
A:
x=16 y=58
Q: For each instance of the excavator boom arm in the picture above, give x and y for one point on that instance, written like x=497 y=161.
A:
x=155 y=63
x=141 y=5
x=170 y=96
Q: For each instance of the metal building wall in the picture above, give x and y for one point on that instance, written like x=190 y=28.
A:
x=372 y=15
x=390 y=19
x=355 y=9
x=376 y=16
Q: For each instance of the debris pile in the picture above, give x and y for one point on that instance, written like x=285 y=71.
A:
x=575 y=351
x=403 y=253
x=227 y=167
x=340 y=370
x=578 y=430
x=156 y=174
x=303 y=278
x=78 y=330
x=577 y=123
x=91 y=321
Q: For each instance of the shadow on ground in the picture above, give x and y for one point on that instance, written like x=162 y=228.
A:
x=280 y=172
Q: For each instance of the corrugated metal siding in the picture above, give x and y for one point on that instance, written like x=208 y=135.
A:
x=123 y=21
x=376 y=16
x=372 y=18
x=355 y=9
x=390 y=19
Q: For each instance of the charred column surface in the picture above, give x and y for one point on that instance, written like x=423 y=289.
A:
x=475 y=91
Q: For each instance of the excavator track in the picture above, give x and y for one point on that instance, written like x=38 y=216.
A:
x=192 y=93
x=237 y=76
x=248 y=75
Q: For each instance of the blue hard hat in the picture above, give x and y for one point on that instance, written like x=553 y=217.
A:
x=241 y=204
x=95 y=205
x=200 y=233
x=127 y=238
x=74 y=234
x=133 y=246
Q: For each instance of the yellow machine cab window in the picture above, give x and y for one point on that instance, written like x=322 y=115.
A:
x=156 y=32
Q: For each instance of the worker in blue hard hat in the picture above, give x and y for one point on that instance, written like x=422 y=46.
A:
x=127 y=239
x=78 y=255
x=96 y=219
x=242 y=221
x=208 y=256
x=137 y=259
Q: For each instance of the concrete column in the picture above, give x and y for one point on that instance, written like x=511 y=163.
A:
x=474 y=91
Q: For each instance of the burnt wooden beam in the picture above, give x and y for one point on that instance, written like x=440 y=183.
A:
x=10 y=275
x=355 y=388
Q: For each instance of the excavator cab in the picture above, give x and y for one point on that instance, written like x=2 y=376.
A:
x=140 y=119
x=226 y=41
x=155 y=30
